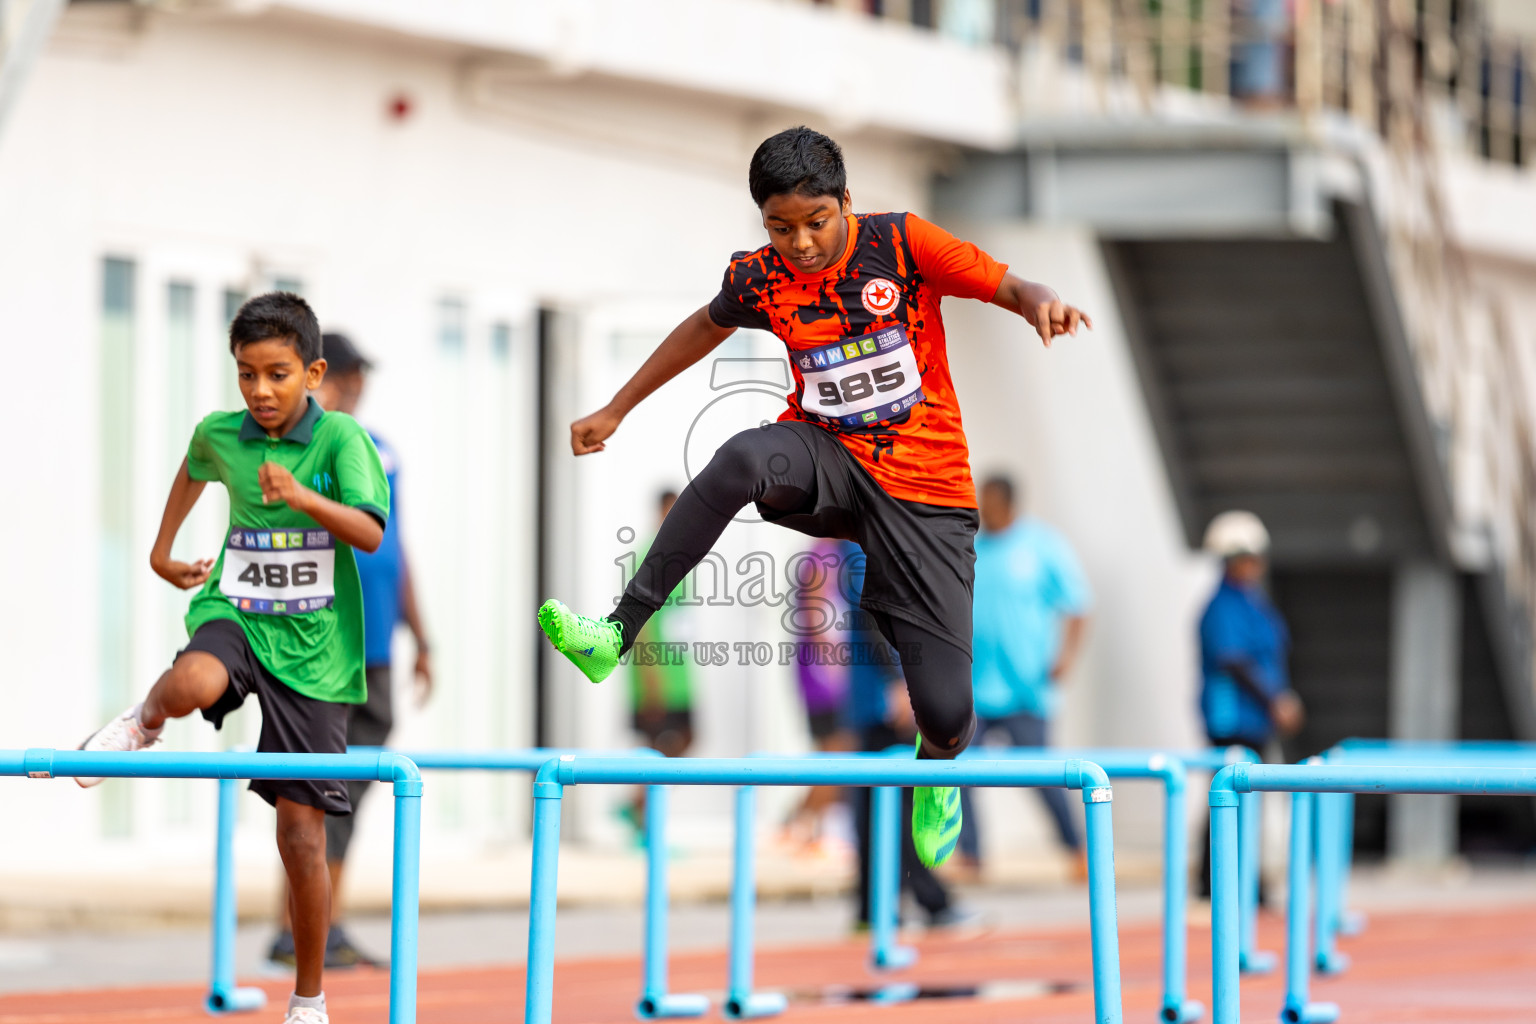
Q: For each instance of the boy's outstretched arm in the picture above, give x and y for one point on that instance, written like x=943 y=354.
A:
x=184 y=494
x=1041 y=306
x=690 y=341
x=347 y=524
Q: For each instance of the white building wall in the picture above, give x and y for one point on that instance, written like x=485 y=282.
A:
x=234 y=154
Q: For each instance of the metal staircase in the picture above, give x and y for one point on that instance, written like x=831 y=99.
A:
x=1270 y=391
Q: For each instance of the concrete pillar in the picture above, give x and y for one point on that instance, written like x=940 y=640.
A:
x=1425 y=700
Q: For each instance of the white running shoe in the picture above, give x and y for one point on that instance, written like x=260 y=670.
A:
x=306 y=1015
x=123 y=734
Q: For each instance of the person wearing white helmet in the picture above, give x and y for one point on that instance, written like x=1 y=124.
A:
x=1245 y=695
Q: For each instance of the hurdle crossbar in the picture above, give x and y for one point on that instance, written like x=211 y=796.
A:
x=569 y=770
x=41 y=763
x=658 y=1002
x=1305 y=781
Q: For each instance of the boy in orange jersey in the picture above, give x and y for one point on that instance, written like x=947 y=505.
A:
x=870 y=448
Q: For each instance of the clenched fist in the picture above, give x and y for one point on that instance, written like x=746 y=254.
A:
x=277 y=484
x=589 y=432
x=185 y=575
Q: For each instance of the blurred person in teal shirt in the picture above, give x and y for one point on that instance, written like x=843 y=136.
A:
x=1030 y=614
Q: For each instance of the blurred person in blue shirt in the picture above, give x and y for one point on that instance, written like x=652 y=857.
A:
x=1245 y=693
x=879 y=715
x=1031 y=613
x=388 y=599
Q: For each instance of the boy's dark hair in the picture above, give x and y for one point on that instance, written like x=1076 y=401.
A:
x=277 y=315
x=797 y=161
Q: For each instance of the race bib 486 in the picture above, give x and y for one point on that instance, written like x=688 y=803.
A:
x=279 y=572
x=860 y=381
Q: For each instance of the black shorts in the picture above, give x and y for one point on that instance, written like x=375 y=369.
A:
x=291 y=723
x=921 y=559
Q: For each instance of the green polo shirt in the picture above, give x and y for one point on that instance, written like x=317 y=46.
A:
x=318 y=652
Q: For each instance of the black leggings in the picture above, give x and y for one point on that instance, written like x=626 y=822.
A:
x=775 y=468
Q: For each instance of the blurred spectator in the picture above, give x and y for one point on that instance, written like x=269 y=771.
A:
x=823 y=680
x=660 y=686
x=969 y=21
x=1245 y=696
x=1259 y=51
x=881 y=717
x=389 y=598
x=1031 y=612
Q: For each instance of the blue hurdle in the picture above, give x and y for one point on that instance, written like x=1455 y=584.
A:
x=655 y=1001
x=39 y=763
x=885 y=836
x=1176 y=1007
x=1334 y=823
x=569 y=770
x=1304 y=781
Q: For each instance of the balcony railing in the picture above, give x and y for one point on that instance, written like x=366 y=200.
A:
x=1366 y=58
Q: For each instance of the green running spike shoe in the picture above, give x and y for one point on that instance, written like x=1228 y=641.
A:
x=935 y=822
x=592 y=645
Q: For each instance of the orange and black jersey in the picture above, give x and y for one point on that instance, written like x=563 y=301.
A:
x=866 y=342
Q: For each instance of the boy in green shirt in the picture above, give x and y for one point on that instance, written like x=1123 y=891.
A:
x=280 y=613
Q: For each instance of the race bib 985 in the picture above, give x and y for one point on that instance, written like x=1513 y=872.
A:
x=860 y=381
x=279 y=572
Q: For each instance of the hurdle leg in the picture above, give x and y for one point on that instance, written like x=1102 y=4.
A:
x=885 y=880
x=1250 y=819
x=1298 y=1009
x=1329 y=844
x=1177 y=1009
x=741 y=1003
x=1349 y=922
x=405 y=902
x=223 y=995
x=1226 y=917
x=655 y=1001
x=1104 y=928
x=538 y=1000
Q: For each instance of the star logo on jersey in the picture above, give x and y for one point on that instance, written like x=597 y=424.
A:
x=880 y=296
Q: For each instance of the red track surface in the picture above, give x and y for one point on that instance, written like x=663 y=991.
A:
x=1441 y=967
